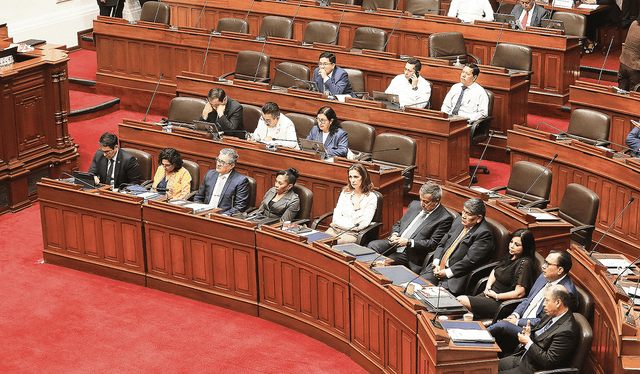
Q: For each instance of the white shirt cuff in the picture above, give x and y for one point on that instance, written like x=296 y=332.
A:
x=448 y=272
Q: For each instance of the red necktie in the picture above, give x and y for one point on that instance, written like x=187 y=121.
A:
x=524 y=20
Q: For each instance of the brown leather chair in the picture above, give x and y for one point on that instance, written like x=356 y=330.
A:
x=251 y=66
x=303 y=123
x=585 y=303
x=369 y=38
x=372 y=5
x=513 y=57
x=156 y=12
x=523 y=174
x=450 y=46
x=253 y=188
x=361 y=138
x=356 y=78
x=579 y=206
x=186 y=109
x=479 y=131
x=194 y=169
x=505 y=8
x=320 y=32
x=276 y=26
x=589 y=126
x=422 y=7
x=250 y=117
x=500 y=248
x=348 y=2
x=306 y=201
x=233 y=25
x=297 y=70
x=403 y=158
x=585 y=338
x=145 y=163
x=574 y=24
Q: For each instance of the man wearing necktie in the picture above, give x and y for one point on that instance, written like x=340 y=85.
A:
x=467 y=99
x=465 y=247
x=418 y=232
x=551 y=344
x=224 y=187
x=528 y=13
x=112 y=165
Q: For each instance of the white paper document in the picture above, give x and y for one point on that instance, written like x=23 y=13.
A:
x=470 y=336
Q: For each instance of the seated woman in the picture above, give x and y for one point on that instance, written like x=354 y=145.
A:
x=280 y=201
x=274 y=127
x=171 y=175
x=511 y=279
x=330 y=133
x=356 y=205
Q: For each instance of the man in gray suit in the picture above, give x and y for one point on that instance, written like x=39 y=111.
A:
x=528 y=13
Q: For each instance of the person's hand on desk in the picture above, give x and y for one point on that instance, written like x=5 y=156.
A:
x=96 y=179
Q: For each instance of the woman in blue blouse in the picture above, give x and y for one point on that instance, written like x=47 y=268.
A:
x=330 y=133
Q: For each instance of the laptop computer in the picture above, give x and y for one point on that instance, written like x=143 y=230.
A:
x=84 y=179
x=509 y=19
x=552 y=24
x=392 y=100
x=312 y=146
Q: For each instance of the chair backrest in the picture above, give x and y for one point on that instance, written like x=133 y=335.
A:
x=306 y=201
x=500 y=240
x=233 y=25
x=250 y=117
x=574 y=24
x=505 y=8
x=321 y=32
x=348 y=2
x=356 y=78
x=512 y=56
x=422 y=7
x=369 y=38
x=186 y=109
x=377 y=216
x=375 y=4
x=145 y=162
x=523 y=174
x=480 y=129
x=247 y=66
x=579 y=206
x=297 y=70
x=404 y=157
x=253 y=188
x=448 y=46
x=303 y=123
x=156 y=11
x=585 y=338
x=276 y=26
x=194 y=169
x=585 y=303
x=537 y=270
x=361 y=135
x=452 y=213
x=589 y=124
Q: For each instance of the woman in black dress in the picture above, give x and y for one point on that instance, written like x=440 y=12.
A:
x=511 y=279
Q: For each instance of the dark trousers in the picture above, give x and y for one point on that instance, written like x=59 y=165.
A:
x=112 y=11
x=627 y=78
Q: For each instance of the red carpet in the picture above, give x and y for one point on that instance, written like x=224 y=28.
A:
x=596 y=59
x=83 y=64
x=81 y=100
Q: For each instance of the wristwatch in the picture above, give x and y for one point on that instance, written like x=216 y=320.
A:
x=415 y=88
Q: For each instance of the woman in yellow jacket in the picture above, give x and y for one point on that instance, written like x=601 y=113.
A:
x=171 y=175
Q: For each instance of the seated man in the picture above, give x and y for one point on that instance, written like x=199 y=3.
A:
x=466 y=246
x=471 y=10
x=633 y=139
x=418 y=232
x=555 y=270
x=224 y=187
x=411 y=88
x=551 y=344
x=331 y=79
x=111 y=165
x=528 y=13
x=467 y=98
x=225 y=112
x=276 y=128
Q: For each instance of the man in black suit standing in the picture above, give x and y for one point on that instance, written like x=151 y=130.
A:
x=465 y=247
x=225 y=112
x=418 y=232
x=528 y=13
x=112 y=165
x=551 y=344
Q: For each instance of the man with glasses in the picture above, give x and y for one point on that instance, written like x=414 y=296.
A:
x=275 y=128
x=555 y=270
x=411 y=88
x=331 y=79
x=225 y=112
x=464 y=248
x=224 y=187
x=112 y=165
x=528 y=13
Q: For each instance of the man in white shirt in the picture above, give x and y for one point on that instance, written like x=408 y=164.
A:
x=411 y=88
x=275 y=128
x=467 y=98
x=528 y=13
x=470 y=10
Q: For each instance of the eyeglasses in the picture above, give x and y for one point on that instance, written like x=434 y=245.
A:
x=324 y=63
x=107 y=152
x=545 y=264
x=321 y=120
x=166 y=166
x=268 y=121
x=221 y=161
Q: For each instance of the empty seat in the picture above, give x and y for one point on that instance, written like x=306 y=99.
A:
x=574 y=24
x=194 y=169
x=356 y=78
x=450 y=46
x=512 y=56
x=185 y=109
x=299 y=71
x=250 y=117
x=155 y=11
x=320 y=32
x=523 y=174
x=233 y=25
x=375 y=4
x=303 y=123
x=279 y=27
x=579 y=206
x=253 y=188
x=403 y=158
x=369 y=38
x=361 y=137
x=422 y=7
x=589 y=125
x=251 y=66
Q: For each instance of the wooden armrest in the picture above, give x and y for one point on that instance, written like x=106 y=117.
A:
x=224 y=76
x=506 y=308
x=566 y=370
x=583 y=227
x=500 y=188
x=364 y=232
x=536 y=203
x=482 y=284
x=549 y=210
x=478 y=60
x=406 y=170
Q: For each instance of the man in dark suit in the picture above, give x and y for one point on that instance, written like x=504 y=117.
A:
x=111 y=8
x=555 y=270
x=224 y=187
x=418 y=232
x=225 y=112
x=528 y=13
x=331 y=79
x=551 y=344
x=111 y=165
x=466 y=246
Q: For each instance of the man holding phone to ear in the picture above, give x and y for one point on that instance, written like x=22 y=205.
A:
x=411 y=88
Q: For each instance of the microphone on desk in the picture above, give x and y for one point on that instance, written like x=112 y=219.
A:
x=481 y=157
x=633 y=303
x=153 y=97
x=381 y=150
x=417 y=105
x=610 y=142
x=201 y=12
x=625 y=269
x=247 y=16
x=313 y=86
x=561 y=131
x=335 y=39
x=434 y=322
x=408 y=283
x=206 y=52
x=614 y=222
x=384 y=47
x=264 y=44
x=79 y=180
x=157 y=10
x=435 y=53
x=498 y=42
x=534 y=182
x=498 y=8
x=293 y=20
x=553 y=3
x=605 y=58
x=382 y=254
x=342 y=233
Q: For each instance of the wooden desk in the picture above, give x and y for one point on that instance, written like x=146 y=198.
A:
x=442 y=143
x=556 y=58
x=574 y=9
x=35 y=141
x=611 y=178
x=324 y=179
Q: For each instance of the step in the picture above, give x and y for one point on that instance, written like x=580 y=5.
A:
x=86 y=106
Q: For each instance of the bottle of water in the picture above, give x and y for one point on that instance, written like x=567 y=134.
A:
x=457 y=61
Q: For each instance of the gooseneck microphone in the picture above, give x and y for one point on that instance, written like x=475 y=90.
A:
x=382 y=254
x=408 y=283
x=255 y=76
x=614 y=222
x=534 y=182
x=294 y=19
x=561 y=131
x=481 y=157
x=605 y=58
x=435 y=53
x=157 y=10
x=206 y=53
x=435 y=322
x=153 y=97
x=313 y=86
x=335 y=40
x=633 y=302
x=384 y=47
x=498 y=42
x=625 y=269
x=201 y=12
x=247 y=16
x=610 y=142
x=342 y=233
